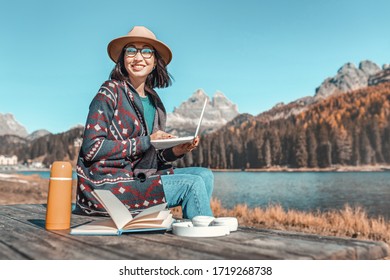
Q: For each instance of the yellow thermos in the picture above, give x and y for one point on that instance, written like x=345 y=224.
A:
x=59 y=199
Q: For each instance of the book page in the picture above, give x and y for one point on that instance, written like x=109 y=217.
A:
x=102 y=227
x=115 y=208
x=161 y=223
x=152 y=209
x=150 y=219
x=161 y=215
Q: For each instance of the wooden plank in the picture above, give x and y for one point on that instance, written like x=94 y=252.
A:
x=189 y=248
x=29 y=226
x=146 y=246
x=9 y=252
x=35 y=243
x=207 y=246
x=349 y=248
x=221 y=247
x=24 y=237
x=247 y=243
x=29 y=236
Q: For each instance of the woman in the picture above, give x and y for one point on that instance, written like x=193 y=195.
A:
x=125 y=115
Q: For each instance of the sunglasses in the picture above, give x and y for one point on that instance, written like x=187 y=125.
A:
x=145 y=52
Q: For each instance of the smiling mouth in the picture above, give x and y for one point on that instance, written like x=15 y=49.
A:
x=137 y=67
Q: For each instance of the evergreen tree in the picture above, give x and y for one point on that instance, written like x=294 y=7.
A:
x=267 y=153
x=311 y=149
x=366 y=151
x=276 y=149
x=375 y=137
x=356 y=157
x=386 y=144
x=343 y=146
x=324 y=150
x=300 y=149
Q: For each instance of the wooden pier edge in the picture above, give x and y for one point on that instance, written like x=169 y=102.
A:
x=23 y=236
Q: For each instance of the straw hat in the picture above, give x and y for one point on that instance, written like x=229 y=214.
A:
x=138 y=34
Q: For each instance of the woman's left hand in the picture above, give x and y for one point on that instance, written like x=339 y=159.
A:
x=186 y=147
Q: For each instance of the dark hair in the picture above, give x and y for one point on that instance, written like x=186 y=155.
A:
x=158 y=78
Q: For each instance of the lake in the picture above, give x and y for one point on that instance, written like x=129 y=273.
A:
x=305 y=191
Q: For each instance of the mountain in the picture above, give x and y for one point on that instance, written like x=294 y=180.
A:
x=39 y=146
x=45 y=149
x=9 y=126
x=37 y=134
x=380 y=77
x=346 y=122
x=184 y=119
x=351 y=129
x=348 y=78
x=283 y=111
x=13 y=145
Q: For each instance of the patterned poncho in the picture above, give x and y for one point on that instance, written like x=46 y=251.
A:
x=116 y=153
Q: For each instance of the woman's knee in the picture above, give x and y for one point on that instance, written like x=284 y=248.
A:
x=208 y=178
x=206 y=173
x=196 y=201
x=198 y=185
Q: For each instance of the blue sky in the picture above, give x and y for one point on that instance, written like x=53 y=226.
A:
x=53 y=55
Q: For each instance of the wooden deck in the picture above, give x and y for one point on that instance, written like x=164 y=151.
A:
x=23 y=236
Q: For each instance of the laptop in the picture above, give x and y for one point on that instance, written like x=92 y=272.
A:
x=171 y=142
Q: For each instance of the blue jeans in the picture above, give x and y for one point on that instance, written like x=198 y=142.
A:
x=190 y=187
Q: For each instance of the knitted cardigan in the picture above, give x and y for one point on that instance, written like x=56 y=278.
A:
x=116 y=153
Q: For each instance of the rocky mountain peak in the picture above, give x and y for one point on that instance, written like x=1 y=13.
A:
x=369 y=67
x=197 y=97
x=348 y=78
x=9 y=126
x=184 y=119
x=226 y=107
x=37 y=134
x=220 y=100
x=199 y=93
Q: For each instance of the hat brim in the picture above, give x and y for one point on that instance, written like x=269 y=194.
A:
x=115 y=47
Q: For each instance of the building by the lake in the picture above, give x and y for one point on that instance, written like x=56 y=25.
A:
x=6 y=161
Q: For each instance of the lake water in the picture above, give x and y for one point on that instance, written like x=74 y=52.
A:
x=43 y=174
x=305 y=191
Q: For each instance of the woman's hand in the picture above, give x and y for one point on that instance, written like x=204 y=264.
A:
x=186 y=147
x=161 y=135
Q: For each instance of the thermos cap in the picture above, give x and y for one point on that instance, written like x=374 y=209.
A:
x=61 y=169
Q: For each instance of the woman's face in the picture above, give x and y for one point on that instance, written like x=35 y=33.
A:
x=139 y=61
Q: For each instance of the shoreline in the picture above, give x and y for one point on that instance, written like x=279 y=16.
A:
x=335 y=168
x=24 y=169
x=341 y=168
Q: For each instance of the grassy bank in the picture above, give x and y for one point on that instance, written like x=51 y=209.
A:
x=347 y=222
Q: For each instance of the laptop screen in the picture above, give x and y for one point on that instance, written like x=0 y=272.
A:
x=201 y=118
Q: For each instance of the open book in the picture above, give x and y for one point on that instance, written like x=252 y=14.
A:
x=151 y=219
x=171 y=142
